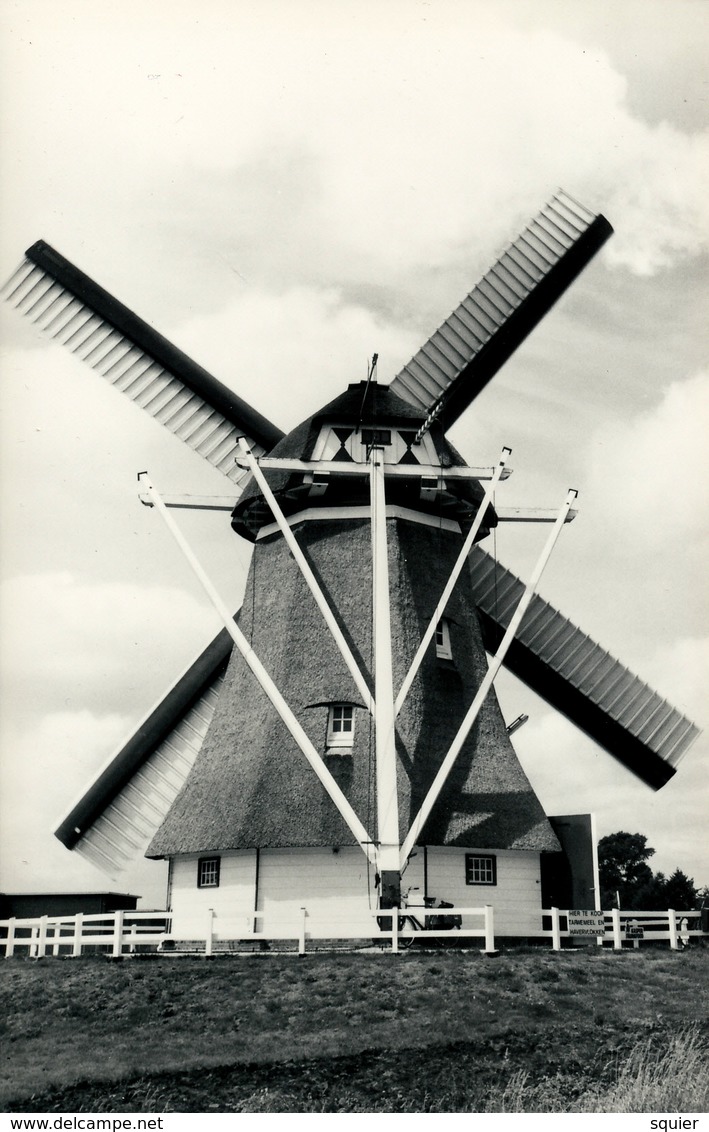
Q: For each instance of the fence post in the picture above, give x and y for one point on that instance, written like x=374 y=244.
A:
x=672 y=923
x=78 y=934
x=56 y=934
x=42 y=938
x=489 y=930
x=395 y=931
x=301 y=937
x=617 y=940
x=118 y=933
x=555 y=930
x=209 y=937
x=10 y=941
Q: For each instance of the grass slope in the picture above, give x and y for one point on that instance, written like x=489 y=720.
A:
x=448 y=1032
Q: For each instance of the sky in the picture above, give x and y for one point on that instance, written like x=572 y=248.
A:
x=282 y=189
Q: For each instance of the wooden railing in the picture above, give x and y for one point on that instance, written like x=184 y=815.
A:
x=619 y=927
x=126 y=932
x=120 y=933
x=115 y=933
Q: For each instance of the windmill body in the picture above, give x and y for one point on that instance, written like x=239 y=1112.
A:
x=251 y=798
x=292 y=772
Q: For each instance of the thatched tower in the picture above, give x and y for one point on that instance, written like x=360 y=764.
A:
x=251 y=794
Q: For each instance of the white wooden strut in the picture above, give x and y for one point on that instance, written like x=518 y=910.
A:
x=385 y=735
x=335 y=793
x=481 y=694
x=455 y=574
x=310 y=579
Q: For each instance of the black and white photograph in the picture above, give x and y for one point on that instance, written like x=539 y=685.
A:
x=354 y=532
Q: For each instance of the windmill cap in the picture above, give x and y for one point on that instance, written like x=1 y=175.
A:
x=367 y=404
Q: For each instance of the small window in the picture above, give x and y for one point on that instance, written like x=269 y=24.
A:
x=480 y=870
x=340 y=725
x=376 y=436
x=443 y=640
x=208 y=872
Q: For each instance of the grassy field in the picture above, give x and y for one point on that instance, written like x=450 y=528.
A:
x=586 y=1030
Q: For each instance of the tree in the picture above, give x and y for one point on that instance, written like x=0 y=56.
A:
x=626 y=876
x=622 y=867
x=680 y=892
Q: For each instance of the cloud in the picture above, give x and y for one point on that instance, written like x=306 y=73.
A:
x=293 y=350
x=75 y=643
x=50 y=765
x=649 y=472
x=367 y=148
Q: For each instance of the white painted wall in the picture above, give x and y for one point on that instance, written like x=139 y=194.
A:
x=516 y=898
x=337 y=890
x=232 y=901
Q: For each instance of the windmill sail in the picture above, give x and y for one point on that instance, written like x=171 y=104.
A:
x=69 y=307
x=468 y=349
x=118 y=815
x=580 y=679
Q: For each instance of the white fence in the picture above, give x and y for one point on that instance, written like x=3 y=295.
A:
x=126 y=932
x=625 y=927
x=112 y=932
x=120 y=933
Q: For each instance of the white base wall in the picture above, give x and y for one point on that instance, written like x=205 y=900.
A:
x=516 y=898
x=338 y=893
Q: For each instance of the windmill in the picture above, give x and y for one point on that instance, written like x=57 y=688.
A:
x=343 y=730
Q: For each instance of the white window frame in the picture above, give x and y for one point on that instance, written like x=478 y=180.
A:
x=481 y=868
x=208 y=871
x=443 y=640
x=340 y=725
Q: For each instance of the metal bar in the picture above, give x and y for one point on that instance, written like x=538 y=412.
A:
x=405 y=471
x=310 y=579
x=455 y=574
x=316 y=762
x=486 y=684
x=385 y=736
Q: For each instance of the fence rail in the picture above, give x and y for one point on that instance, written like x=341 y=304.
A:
x=118 y=932
x=126 y=932
x=621 y=927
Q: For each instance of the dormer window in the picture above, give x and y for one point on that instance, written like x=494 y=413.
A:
x=346 y=442
x=340 y=725
x=443 y=640
x=381 y=437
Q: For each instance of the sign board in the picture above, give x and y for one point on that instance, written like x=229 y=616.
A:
x=634 y=931
x=582 y=922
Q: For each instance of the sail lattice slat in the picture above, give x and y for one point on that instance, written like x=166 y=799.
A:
x=127 y=824
x=71 y=309
x=580 y=678
x=501 y=310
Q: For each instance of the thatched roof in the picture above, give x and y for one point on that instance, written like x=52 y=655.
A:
x=251 y=786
